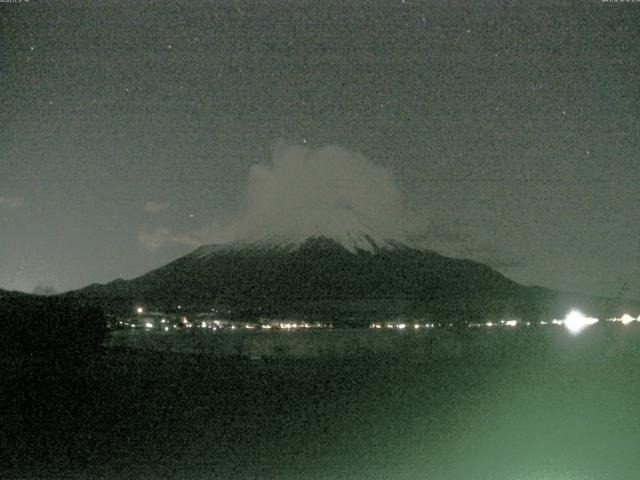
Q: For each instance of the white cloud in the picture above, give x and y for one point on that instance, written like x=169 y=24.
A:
x=11 y=202
x=155 y=207
x=327 y=191
x=330 y=191
x=304 y=192
x=162 y=236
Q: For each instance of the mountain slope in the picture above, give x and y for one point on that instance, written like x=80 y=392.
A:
x=6 y=294
x=322 y=278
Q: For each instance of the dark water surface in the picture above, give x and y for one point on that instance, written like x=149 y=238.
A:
x=501 y=404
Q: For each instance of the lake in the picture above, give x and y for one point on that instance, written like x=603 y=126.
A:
x=477 y=404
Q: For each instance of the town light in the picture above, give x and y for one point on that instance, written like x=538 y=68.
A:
x=626 y=319
x=576 y=321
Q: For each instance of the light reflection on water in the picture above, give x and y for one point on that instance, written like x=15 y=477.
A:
x=493 y=404
x=568 y=409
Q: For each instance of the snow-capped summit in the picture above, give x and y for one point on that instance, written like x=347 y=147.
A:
x=344 y=226
x=353 y=242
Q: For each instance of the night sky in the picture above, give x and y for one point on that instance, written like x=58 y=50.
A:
x=130 y=131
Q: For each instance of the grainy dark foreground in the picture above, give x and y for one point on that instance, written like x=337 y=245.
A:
x=532 y=405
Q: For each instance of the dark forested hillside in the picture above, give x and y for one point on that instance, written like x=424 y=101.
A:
x=321 y=278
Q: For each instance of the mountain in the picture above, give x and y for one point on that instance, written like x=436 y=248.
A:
x=6 y=294
x=49 y=327
x=356 y=277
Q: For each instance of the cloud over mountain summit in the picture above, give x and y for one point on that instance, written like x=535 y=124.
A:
x=328 y=191
x=304 y=192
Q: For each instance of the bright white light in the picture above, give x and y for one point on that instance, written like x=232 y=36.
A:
x=148 y=325
x=489 y=324
x=140 y=310
x=626 y=319
x=401 y=326
x=166 y=329
x=511 y=323
x=575 y=321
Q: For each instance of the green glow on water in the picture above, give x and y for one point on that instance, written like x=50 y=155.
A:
x=483 y=404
